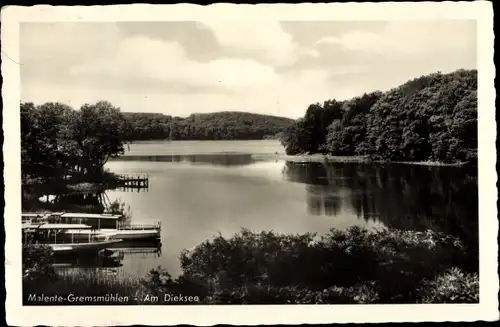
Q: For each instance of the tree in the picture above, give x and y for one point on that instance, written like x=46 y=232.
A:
x=43 y=139
x=28 y=138
x=311 y=130
x=295 y=138
x=99 y=131
x=349 y=130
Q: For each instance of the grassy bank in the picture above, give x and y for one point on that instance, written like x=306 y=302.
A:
x=310 y=158
x=352 y=266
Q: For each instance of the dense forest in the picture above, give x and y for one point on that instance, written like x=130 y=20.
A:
x=430 y=118
x=226 y=125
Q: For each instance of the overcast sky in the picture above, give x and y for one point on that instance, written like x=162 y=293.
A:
x=278 y=68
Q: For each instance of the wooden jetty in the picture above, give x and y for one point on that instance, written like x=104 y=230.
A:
x=133 y=181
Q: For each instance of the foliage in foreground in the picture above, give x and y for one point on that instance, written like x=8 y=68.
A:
x=430 y=118
x=385 y=266
x=37 y=263
x=353 y=266
x=452 y=286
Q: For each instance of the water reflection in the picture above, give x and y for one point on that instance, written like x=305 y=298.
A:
x=121 y=252
x=84 y=261
x=415 y=197
x=82 y=201
x=127 y=253
x=215 y=159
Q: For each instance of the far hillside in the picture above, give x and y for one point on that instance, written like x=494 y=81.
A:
x=226 y=125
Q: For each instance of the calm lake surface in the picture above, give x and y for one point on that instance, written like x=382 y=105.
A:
x=198 y=189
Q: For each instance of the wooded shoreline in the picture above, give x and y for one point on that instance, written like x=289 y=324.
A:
x=429 y=120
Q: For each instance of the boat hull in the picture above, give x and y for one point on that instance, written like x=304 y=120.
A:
x=83 y=247
x=94 y=234
x=129 y=235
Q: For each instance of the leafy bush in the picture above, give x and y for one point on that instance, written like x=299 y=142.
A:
x=37 y=263
x=352 y=266
x=452 y=286
x=121 y=208
x=267 y=294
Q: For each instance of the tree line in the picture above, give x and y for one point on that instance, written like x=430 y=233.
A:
x=430 y=118
x=225 y=125
x=57 y=141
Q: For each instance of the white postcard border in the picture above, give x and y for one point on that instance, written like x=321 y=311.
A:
x=250 y=315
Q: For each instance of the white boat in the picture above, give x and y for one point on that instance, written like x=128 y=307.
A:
x=81 y=235
x=123 y=234
x=134 y=232
x=75 y=232
x=97 y=221
x=57 y=237
x=127 y=235
x=83 y=247
x=105 y=225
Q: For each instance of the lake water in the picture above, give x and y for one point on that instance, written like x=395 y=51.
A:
x=198 y=189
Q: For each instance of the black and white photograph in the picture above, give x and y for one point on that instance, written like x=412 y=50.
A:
x=268 y=158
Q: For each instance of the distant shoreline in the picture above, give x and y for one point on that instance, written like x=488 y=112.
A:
x=302 y=158
x=349 y=159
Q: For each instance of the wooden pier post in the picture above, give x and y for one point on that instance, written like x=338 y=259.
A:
x=126 y=182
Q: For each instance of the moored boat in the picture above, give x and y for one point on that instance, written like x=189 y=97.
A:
x=56 y=236
x=83 y=247
x=126 y=234
x=103 y=225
